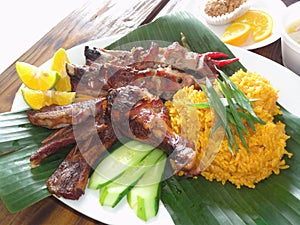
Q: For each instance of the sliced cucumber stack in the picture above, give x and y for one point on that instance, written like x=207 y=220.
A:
x=134 y=169
x=112 y=193
x=144 y=197
x=117 y=162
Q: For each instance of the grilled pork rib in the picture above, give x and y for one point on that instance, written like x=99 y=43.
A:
x=55 y=116
x=70 y=178
x=64 y=137
x=162 y=71
x=176 y=55
x=60 y=138
x=97 y=79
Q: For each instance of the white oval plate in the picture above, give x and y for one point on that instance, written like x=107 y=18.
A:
x=281 y=78
x=274 y=7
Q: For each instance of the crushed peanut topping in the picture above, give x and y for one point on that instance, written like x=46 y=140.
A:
x=220 y=7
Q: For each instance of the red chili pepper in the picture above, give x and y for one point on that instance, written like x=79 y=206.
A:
x=216 y=55
x=224 y=62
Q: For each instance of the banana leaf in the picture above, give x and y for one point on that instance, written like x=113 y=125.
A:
x=17 y=132
x=189 y=201
x=21 y=186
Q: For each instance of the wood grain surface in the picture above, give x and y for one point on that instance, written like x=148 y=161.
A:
x=93 y=20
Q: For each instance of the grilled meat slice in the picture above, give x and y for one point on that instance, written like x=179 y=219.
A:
x=98 y=79
x=70 y=178
x=58 y=139
x=157 y=69
x=55 y=116
x=64 y=137
x=174 y=54
x=103 y=141
x=137 y=114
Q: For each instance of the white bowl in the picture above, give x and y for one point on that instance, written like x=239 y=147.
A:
x=290 y=48
x=228 y=17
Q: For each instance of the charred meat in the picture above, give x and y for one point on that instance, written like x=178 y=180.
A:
x=70 y=178
x=97 y=79
x=139 y=115
x=55 y=116
x=175 y=54
x=64 y=137
x=162 y=71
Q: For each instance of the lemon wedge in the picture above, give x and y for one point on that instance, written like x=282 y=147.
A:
x=236 y=34
x=36 y=99
x=261 y=23
x=36 y=78
x=59 y=60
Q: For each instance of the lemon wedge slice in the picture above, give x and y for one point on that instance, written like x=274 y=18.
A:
x=59 y=60
x=36 y=99
x=236 y=34
x=261 y=23
x=36 y=78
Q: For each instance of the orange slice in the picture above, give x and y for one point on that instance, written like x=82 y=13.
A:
x=37 y=99
x=261 y=23
x=60 y=58
x=236 y=34
x=36 y=78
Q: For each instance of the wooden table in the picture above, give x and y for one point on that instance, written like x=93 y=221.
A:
x=95 y=19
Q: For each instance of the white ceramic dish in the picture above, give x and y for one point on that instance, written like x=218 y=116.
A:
x=228 y=17
x=290 y=48
x=281 y=78
x=273 y=7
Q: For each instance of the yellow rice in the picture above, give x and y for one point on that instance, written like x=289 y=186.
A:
x=266 y=146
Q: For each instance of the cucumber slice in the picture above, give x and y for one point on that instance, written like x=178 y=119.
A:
x=117 y=162
x=144 y=197
x=112 y=193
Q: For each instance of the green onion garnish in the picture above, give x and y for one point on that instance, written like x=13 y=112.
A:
x=232 y=107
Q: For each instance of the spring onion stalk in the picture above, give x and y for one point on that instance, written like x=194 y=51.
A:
x=233 y=109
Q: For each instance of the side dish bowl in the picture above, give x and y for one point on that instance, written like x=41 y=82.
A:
x=290 y=48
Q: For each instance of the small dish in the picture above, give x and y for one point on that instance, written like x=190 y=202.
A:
x=290 y=48
x=228 y=17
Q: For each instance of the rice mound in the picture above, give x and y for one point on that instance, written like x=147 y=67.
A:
x=266 y=146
